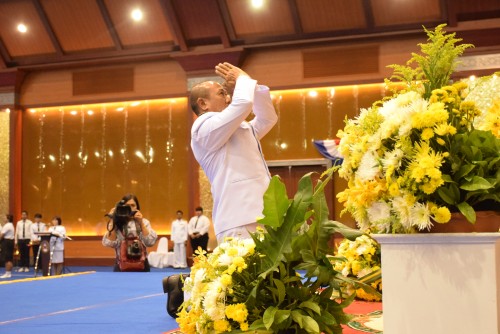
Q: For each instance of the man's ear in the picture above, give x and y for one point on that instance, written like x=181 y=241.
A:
x=202 y=104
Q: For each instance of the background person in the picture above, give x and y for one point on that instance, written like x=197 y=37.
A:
x=37 y=226
x=7 y=243
x=179 y=238
x=137 y=226
x=57 y=244
x=198 y=230
x=228 y=149
x=22 y=239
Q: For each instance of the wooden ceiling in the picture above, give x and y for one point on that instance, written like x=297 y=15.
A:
x=76 y=32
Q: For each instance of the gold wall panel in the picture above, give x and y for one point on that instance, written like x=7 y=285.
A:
x=79 y=160
x=4 y=163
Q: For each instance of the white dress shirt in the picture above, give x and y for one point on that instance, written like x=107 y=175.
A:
x=199 y=224
x=23 y=229
x=8 y=231
x=35 y=228
x=179 y=231
x=228 y=149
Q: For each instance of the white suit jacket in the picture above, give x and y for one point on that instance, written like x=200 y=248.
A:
x=179 y=231
x=228 y=149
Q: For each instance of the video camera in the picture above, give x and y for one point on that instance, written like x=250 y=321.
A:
x=122 y=215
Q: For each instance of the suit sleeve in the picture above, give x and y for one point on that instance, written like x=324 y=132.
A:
x=213 y=132
x=265 y=115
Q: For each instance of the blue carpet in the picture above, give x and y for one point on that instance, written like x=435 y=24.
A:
x=90 y=303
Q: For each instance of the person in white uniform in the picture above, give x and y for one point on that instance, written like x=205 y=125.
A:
x=57 y=244
x=179 y=238
x=228 y=149
x=198 y=230
x=22 y=239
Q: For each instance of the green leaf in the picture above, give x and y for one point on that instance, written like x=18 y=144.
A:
x=298 y=318
x=310 y=325
x=281 y=316
x=278 y=241
x=463 y=171
x=447 y=195
x=311 y=305
x=268 y=316
x=476 y=183
x=276 y=203
x=281 y=290
x=467 y=211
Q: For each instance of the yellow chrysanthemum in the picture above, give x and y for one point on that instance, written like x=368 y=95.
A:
x=442 y=215
x=237 y=312
x=222 y=325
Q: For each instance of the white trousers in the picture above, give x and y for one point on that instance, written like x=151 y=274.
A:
x=180 y=255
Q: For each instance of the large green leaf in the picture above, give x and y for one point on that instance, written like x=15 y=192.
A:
x=476 y=183
x=275 y=203
x=467 y=211
x=277 y=241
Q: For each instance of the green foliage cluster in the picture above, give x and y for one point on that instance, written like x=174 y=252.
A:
x=435 y=64
x=297 y=237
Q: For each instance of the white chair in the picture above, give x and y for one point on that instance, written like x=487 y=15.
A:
x=161 y=258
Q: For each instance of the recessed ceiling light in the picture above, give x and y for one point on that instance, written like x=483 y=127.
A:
x=257 y=3
x=136 y=14
x=22 y=28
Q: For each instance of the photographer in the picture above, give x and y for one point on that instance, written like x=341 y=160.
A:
x=129 y=233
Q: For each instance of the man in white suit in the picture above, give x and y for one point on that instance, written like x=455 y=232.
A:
x=228 y=149
x=179 y=237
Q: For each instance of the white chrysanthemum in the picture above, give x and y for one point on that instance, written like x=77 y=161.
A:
x=225 y=260
x=402 y=209
x=420 y=216
x=197 y=284
x=379 y=211
x=392 y=159
x=212 y=303
x=368 y=167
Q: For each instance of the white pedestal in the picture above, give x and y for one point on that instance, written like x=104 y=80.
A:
x=441 y=283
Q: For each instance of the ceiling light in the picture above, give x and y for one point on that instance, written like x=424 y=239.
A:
x=313 y=93
x=257 y=3
x=136 y=15
x=22 y=28
x=73 y=112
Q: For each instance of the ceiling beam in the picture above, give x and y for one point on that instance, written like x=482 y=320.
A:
x=109 y=23
x=4 y=55
x=174 y=24
x=48 y=27
x=450 y=12
x=368 y=11
x=224 y=36
x=294 y=10
x=97 y=57
x=226 y=19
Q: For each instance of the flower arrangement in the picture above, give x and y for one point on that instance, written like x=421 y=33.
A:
x=412 y=157
x=281 y=280
x=362 y=257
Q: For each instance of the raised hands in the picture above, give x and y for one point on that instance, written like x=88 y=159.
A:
x=229 y=73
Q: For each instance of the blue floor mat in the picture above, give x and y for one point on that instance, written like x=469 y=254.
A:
x=89 y=303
